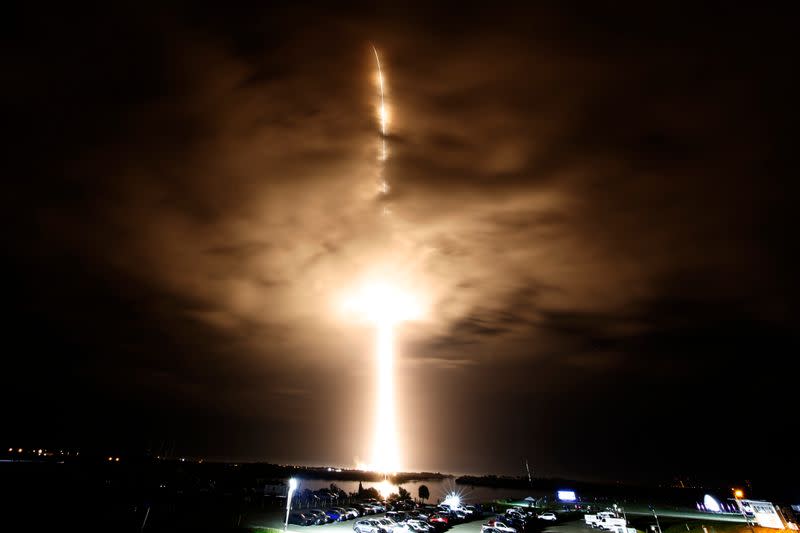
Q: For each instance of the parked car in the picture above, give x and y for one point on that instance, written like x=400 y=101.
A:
x=320 y=516
x=368 y=525
x=333 y=514
x=352 y=512
x=387 y=523
x=513 y=520
x=419 y=526
x=547 y=516
x=439 y=518
x=498 y=526
x=397 y=516
x=611 y=523
x=301 y=519
x=343 y=513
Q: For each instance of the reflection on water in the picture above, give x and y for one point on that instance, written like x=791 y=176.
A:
x=439 y=488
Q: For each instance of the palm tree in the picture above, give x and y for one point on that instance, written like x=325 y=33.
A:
x=424 y=493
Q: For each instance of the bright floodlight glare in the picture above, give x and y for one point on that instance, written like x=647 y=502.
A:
x=711 y=504
x=566 y=495
x=385 y=306
x=452 y=500
x=292 y=487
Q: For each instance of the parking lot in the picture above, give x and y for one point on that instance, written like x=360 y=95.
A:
x=275 y=520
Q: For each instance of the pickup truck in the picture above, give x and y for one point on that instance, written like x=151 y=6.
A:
x=611 y=523
x=593 y=520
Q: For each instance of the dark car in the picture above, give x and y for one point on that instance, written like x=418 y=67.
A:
x=512 y=520
x=300 y=519
x=398 y=516
x=319 y=515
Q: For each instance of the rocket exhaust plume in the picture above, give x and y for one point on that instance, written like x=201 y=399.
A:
x=383 y=114
x=384 y=306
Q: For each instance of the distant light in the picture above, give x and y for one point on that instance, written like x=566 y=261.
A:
x=116 y=459
x=40 y=451
x=11 y=450
x=110 y=458
x=738 y=493
x=711 y=504
x=452 y=500
x=567 y=496
x=20 y=450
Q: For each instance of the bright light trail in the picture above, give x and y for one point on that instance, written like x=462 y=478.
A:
x=292 y=487
x=384 y=456
x=385 y=307
x=383 y=114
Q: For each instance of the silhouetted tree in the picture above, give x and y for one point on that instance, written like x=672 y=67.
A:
x=424 y=493
x=403 y=494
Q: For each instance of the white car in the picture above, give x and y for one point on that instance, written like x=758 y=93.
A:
x=419 y=526
x=366 y=526
x=547 y=516
x=497 y=526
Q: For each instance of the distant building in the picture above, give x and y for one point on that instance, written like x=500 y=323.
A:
x=763 y=513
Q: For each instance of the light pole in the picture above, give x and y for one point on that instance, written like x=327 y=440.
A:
x=738 y=494
x=652 y=508
x=292 y=486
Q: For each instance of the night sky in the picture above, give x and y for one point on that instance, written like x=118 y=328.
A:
x=597 y=202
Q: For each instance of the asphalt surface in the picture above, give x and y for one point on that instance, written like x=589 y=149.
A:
x=275 y=520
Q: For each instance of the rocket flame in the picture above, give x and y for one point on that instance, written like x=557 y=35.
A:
x=384 y=306
x=383 y=113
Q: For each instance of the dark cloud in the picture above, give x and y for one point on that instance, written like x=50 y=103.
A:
x=597 y=206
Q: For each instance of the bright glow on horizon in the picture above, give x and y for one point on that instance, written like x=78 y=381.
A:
x=385 y=487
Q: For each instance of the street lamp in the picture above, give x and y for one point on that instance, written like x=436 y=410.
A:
x=738 y=494
x=292 y=486
x=658 y=525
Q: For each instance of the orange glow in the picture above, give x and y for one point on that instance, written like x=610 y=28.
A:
x=738 y=493
x=385 y=306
